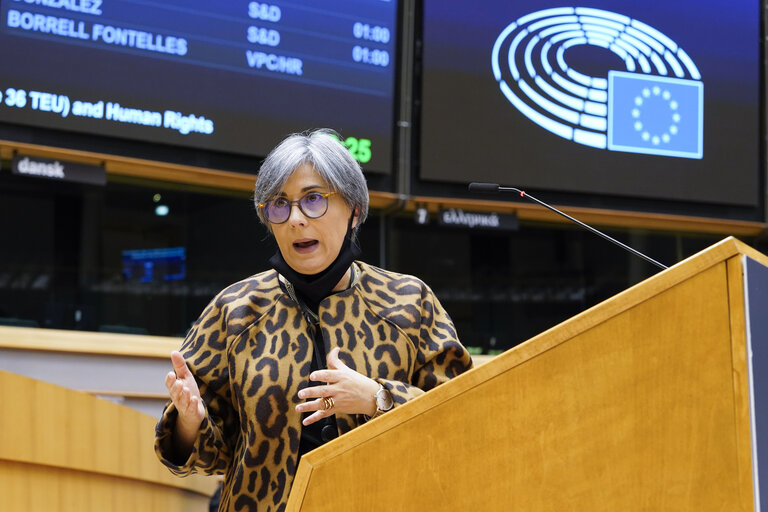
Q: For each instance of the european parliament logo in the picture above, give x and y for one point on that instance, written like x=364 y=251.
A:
x=654 y=106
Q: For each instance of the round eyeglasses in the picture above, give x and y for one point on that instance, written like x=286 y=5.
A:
x=312 y=205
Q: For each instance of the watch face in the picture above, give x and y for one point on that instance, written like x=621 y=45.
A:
x=384 y=400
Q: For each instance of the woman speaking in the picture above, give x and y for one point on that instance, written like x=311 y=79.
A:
x=285 y=360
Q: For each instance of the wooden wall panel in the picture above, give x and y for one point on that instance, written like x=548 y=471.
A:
x=61 y=448
x=30 y=488
x=214 y=180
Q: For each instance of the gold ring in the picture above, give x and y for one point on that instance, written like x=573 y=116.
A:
x=328 y=403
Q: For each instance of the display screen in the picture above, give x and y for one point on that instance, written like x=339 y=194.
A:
x=627 y=99
x=154 y=265
x=234 y=77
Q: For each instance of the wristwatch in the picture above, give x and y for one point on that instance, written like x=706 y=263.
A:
x=383 y=401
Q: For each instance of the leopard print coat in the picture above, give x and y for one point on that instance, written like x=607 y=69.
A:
x=250 y=352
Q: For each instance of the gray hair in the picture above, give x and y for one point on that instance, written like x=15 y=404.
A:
x=332 y=161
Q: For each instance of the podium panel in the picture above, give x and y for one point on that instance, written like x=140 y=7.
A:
x=639 y=403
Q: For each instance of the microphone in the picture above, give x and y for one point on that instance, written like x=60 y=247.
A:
x=494 y=188
x=488 y=188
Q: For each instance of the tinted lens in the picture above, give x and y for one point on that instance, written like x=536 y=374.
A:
x=313 y=205
x=278 y=211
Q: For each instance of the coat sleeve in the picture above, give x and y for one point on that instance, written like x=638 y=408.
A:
x=205 y=352
x=440 y=355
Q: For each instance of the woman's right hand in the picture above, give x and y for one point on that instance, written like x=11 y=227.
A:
x=186 y=398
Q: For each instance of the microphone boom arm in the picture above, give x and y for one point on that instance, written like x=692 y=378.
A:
x=493 y=188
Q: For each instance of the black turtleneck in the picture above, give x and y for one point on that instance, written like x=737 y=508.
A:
x=314 y=288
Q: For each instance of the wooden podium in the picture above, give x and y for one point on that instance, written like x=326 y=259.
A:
x=652 y=400
x=66 y=451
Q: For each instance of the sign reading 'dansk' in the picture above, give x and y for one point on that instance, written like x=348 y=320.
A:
x=478 y=220
x=57 y=170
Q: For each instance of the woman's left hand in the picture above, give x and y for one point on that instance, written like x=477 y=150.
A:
x=352 y=392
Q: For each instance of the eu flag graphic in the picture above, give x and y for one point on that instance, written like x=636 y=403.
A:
x=655 y=115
